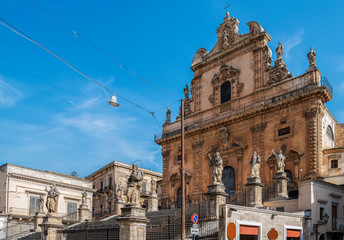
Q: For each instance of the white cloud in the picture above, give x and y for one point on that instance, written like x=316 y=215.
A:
x=8 y=94
x=292 y=42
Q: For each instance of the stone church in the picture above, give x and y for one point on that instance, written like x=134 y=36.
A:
x=243 y=101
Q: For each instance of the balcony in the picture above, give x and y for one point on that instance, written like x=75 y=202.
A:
x=109 y=189
x=326 y=83
x=337 y=224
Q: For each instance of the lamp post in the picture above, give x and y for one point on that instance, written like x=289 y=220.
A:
x=182 y=173
x=316 y=225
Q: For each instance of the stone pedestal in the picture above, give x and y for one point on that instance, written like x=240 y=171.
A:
x=281 y=185
x=38 y=220
x=51 y=224
x=152 y=203
x=118 y=205
x=254 y=189
x=83 y=212
x=216 y=196
x=132 y=223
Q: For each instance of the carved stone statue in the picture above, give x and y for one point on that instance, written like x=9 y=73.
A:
x=224 y=135
x=121 y=194
x=311 y=58
x=134 y=185
x=41 y=204
x=279 y=51
x=225 y=37
x=280 y=160
x=52 y=199
x=153 y=186
x=186 y=92
x=216 y=168
x=255 y=165
x=84 y=198
x=168 y=116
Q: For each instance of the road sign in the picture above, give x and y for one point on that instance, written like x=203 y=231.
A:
x=194 y=225
x=194 y=231
x=194 y=218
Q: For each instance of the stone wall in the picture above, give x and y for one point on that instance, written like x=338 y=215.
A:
x=339 y=133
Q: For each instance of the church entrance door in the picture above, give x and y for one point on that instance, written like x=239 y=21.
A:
x=228 y=179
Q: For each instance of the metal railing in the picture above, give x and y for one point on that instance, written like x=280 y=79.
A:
x=337 y=224
x=170 y=228
x=326 y=83
x=260 y=104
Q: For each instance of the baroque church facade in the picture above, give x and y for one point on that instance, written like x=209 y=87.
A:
x=242 y=101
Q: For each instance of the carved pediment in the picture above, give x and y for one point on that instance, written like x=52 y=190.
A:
x=175 y=177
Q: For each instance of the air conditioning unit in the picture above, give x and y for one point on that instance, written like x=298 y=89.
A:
x=341 y=227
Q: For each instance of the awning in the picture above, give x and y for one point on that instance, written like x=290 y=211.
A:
x=249 y=230
x=293 y=233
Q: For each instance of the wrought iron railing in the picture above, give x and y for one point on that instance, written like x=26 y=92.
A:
x=326 y=83
x=263 y=103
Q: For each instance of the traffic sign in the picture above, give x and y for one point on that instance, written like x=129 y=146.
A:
x=194 y=218
x=194 y=231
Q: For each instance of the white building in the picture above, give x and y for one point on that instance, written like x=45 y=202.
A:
x=21 y=188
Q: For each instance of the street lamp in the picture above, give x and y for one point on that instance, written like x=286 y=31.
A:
x=113 y=101
x=316 y=225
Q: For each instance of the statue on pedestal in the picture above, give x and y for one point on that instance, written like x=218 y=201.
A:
x=279 y=51
x=311 y=58
x=153 y=186
x=52 y=199
x=41 y=204
x=280 y=160
x=134 y=185
x=255 y=165
x=84 y=199
x=216 y=168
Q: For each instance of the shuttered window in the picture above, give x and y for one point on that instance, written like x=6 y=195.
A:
x=72 y=208
x=33 y=205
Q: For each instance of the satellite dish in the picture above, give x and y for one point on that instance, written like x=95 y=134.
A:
x=113 y=101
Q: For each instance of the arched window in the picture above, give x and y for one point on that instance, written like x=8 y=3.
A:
x=225 y=92
x=329 y=133
x=289 y=175
x=228 y=179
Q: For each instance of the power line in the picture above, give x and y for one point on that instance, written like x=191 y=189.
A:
x=79 y=36
x=22 y=34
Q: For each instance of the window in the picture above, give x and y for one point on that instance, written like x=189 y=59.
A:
x=334 y=163
x=109 y=206
x=110 y=182
x=321 y=213
x=72 y=210
x=283 y=131
x=144 y=186
x=101 y=185
x=101 y=209
x=33 y=205
x=334 y=216
x=329 y=133
x=225 y=92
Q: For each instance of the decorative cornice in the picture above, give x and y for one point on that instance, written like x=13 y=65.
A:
x=39 y=180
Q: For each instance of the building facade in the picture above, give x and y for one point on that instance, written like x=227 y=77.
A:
x=242 y=102
x=22 y=188
x=317 y=198
x=114 y=177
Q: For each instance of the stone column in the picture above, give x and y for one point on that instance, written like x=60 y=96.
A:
x=132 y=223
x=281 y=185
x=51 y=224
x=216 y=197
x=254 y=189
x=83 y=212
x=152 y=201
x=118 y=205
x=38 y=220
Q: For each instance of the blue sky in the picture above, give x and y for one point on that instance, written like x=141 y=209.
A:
x=53 y=118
